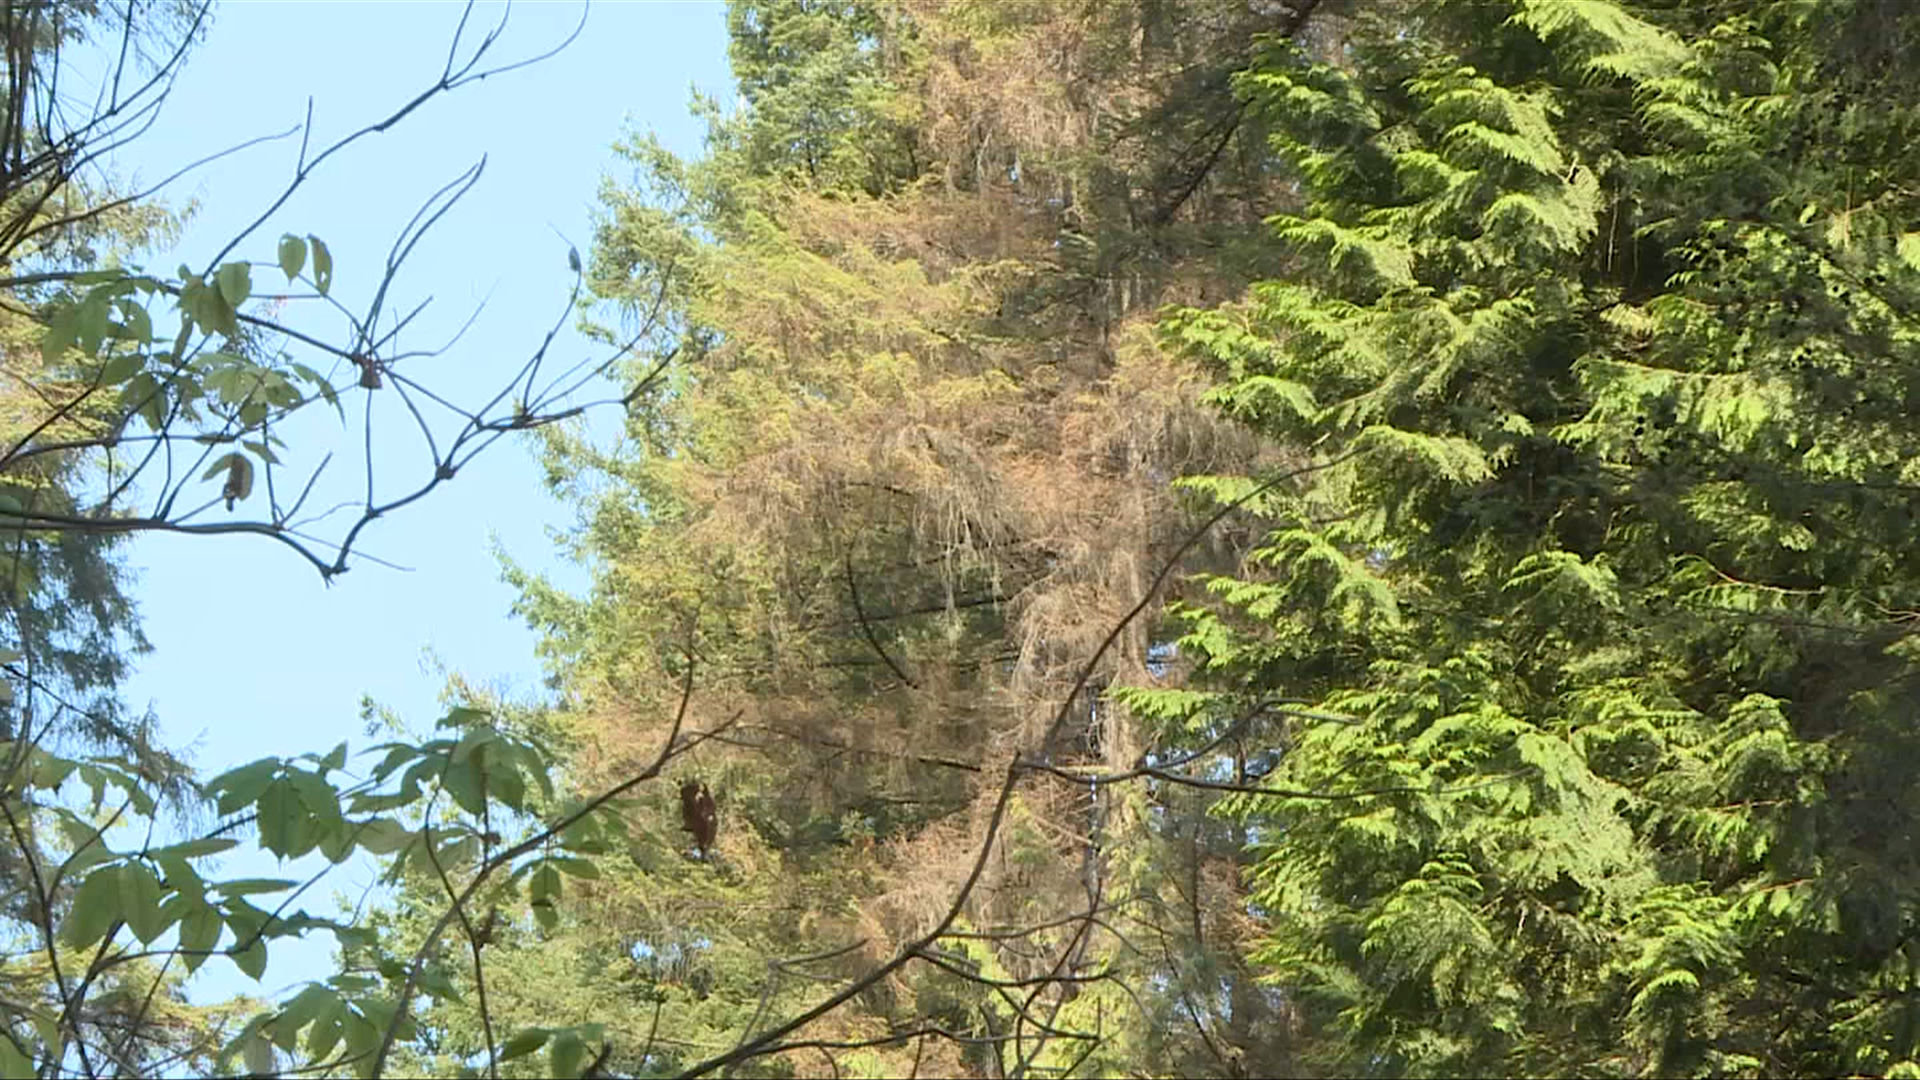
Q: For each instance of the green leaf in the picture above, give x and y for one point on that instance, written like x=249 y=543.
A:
x=13 y=1063
x=119 y=369
x=580 y=868
x=462 y=781
x=140 y=902
x=461 y=716
x=257 y=1053
x=242 y=786
x=48 y=772
x=523 y=1043
x=382 y=836
x=59 y=336
x=252 y=960
x=96 y=904
x=253 y=886
x=545 y=914
x=47 y=1023
x=235 y=280
x=195 y=849
x=284 y=820
x=136 y=323
x=293 y=256
x=363 y=1040
x=199 y=933
x=435 y=983
x=380 y=1012
x=398 y=754
x=87 y=853
x=207 y=307
x=179 y=875
x=506 y=784
x=307 y=1005
x=567 y=1055
x=336 y=758
x=545 y=884
x=472 y=743
x=327 y=1028
x=322 y=265
x=90 y=327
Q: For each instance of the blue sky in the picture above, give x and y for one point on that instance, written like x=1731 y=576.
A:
x=253 y=654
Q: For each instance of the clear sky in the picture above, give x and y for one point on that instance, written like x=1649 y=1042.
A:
x=253 y=654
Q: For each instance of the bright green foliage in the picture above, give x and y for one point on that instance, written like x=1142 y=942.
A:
x=470 y=814
x=1603 y=333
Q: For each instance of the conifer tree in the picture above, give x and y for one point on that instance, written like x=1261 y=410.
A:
x=1596 y=607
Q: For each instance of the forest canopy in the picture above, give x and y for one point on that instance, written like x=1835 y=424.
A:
x=1221 y=538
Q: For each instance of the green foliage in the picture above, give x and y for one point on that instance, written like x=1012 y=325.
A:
x=1598 y=334
x=499 y=824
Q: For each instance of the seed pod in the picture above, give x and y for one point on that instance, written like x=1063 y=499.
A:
x=369 y=371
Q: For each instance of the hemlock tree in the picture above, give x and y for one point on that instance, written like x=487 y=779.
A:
x=1591 y=638
x=912 y=466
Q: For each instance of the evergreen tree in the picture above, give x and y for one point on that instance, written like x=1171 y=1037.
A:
x=1594 y=610
x=913 y=465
